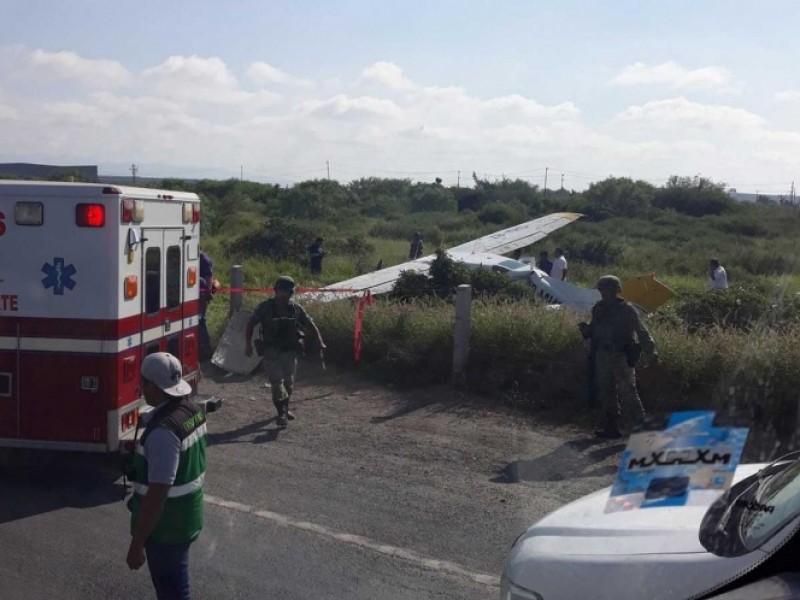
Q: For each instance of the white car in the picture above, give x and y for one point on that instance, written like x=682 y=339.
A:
x=582 y=552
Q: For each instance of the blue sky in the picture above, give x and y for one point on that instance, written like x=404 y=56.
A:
x=637 y=88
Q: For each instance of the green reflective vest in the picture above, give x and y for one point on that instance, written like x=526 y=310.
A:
x=182 y=518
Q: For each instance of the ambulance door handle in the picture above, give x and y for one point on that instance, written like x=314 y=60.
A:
x=167 y=325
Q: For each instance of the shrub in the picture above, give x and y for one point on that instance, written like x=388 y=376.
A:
x=279 y=240
x=737 y=307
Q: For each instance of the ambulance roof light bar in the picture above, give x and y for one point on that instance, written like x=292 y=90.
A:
x=112 y=190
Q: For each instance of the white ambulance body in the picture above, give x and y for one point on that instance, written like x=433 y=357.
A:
x=92 y=279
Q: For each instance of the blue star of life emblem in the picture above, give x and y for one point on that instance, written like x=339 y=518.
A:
x=59 y=276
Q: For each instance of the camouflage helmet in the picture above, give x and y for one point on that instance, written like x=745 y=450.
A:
x=610 y=282
x=285 y=282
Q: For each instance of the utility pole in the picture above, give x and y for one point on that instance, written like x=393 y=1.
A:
x=134 y=170
x=328 y=164
x=458 y=182
x=241 y=173
x=562 y=181
x=791 y=195
x=545 y=182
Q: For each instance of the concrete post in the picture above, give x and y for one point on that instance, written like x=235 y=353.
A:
x=237 y=283
x=461 y=332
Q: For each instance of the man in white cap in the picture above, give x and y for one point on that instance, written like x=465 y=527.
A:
x=168 y=472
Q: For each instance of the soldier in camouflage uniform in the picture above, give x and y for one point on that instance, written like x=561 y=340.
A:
x=613 y=331
x=283 y=324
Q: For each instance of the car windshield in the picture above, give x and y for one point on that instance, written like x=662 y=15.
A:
x=778 y=498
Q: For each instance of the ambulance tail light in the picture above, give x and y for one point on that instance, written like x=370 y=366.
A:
x=129 y=420
x=90 y=215
x=191 y=212
x=132 y=210
x=131 y=287
x=191 y=277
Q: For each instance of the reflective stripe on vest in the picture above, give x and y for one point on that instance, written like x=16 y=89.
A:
x=175 y=491
x=187 y=443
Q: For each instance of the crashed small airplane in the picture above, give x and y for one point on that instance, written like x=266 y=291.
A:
x=486 y=252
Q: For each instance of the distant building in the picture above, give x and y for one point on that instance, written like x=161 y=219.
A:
x=31 y=171
x=751 y=197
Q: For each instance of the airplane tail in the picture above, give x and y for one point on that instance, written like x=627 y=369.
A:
x=646 y=291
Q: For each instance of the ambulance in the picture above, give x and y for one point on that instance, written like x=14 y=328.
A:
x=93 y=278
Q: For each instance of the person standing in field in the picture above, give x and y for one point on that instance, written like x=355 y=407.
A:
x=415 y=251
x=545 y=264
x=718 y=276
x=559 y=269
x=316 y=254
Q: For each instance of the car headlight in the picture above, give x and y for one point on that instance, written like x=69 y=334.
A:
x=509 y=591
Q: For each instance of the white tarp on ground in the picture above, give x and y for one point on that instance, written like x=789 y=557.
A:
x=229 y=354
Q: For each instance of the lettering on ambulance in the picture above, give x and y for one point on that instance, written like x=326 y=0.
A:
x=2 y=224
x=9 y=303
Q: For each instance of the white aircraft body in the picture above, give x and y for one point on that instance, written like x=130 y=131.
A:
x=487 y=253
x=484 y=252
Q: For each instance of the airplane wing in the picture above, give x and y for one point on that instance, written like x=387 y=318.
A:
x=518 y=236
x=380 y=282
x=377 y=282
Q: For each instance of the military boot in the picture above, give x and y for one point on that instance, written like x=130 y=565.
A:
x=289 y=414
x=282 y=421
x=611 y=430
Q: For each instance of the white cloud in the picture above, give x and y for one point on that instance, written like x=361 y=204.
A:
x=674 y=76
x=70 y=66
x=263 y=74
x=387 y=74
x=788 y=96
x=203 y=80
x=343 y=105
x=195 y=112
x=8 y=112
x=193 y=71
x=681 y=113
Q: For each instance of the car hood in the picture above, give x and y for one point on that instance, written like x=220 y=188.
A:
x=582 y=551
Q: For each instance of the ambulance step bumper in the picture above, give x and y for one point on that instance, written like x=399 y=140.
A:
x=208 y=403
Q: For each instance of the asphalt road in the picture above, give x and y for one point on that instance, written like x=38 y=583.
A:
x=371 y=493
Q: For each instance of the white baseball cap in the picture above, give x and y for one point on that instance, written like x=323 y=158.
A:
x=164 y=371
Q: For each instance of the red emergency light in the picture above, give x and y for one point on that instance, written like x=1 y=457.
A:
x=195 y=212
x=90 y=215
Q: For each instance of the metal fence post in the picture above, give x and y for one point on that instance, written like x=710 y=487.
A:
x=237 y=283
x=461 y=332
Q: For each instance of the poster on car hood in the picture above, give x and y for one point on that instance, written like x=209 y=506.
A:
x=690 y=461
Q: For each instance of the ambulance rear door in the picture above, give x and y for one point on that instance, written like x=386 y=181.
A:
x=162 y=298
